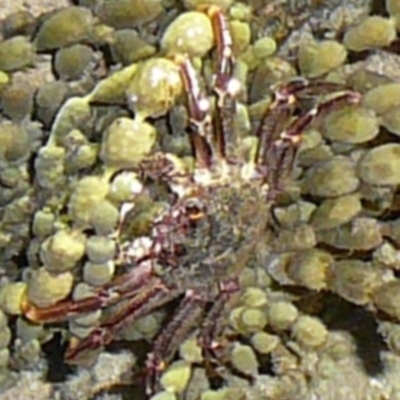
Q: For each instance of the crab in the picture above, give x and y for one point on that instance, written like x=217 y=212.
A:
x=199 y=244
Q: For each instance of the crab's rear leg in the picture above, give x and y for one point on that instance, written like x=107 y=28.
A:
x=123 y=287
x=152 y=296
x=186 y=318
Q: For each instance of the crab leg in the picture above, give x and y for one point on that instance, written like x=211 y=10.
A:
x=282 y=153
x=152 y=296
x=199 y=113
x=212 y=326
x=123 y=287
x=276 y=116
x=225 y=85
x=177 y=330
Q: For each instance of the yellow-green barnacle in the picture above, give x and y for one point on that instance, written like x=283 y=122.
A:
x=89 y=191
x=252 y=320
x=43 y=223
x=282 y=315
x=98 y=274
x=190 y=33
x=309 y=332
x=310 y=268
x=46 y=288
x=254 y=297
x=128 y=47
x=154 y=88
x=332 y=213
x=176 y=377
x=49 y=166
x=100 y=249
x=127 y=13
x=382 y=98
x=371 y=33
x=112 y=89
x=27 y=330
x=104 y=217
x=14 y=142
x=74 y=114
x=263 y=342
x=124 y=187
x=190 y=350
x=66 y=26
x=360 y=234
x=332 y=178
x=387 y=256
x=126 y=142
x=61 y=251
x=354 y=280
x=12 y=296
x=244 y=359
x=301 y=237
x=27 y=354
x=16 y=53
x=387 y=299
x=351 y=125
x=317 y=58
x=70 y=63
x=380 y=165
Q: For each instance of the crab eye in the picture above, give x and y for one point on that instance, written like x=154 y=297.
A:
x=195 y=208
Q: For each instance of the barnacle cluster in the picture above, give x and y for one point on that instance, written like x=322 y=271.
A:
x=89 y=90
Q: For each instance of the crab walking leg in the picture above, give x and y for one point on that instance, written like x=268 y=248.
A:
x=123 y=287
x=148 y=299
x=225 y=85
x=279 y=112
x=213 y=325
x=199 y=113
x=187 y=316
x=283 y=151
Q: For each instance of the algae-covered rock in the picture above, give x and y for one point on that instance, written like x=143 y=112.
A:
x=67 y=26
